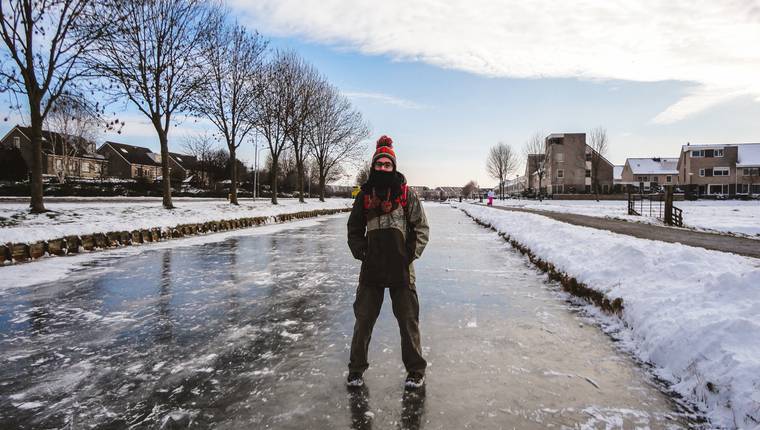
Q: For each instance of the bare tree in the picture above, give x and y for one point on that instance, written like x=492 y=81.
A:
x=597 y=140
x=273 y=111
x=335 y=134
x=502 y=161
x=306 y=83
x=202 y=147
x=469 y=188
x=75 y=124
x=44 y=45
x=363 y=175
x=535 y=155
x=154 y=61
x=234 y=65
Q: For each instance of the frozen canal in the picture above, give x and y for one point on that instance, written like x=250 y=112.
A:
x=253 y=332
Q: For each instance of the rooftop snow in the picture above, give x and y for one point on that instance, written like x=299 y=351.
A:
x=749 y=155
x=653 y=166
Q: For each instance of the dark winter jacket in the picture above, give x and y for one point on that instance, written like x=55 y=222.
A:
x=387 y=243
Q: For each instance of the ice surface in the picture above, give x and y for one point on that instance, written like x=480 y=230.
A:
x=693 y=313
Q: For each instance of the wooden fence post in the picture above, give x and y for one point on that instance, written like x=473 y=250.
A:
x=668 y=205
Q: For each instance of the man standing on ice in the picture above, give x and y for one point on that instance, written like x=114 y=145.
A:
x=387 y=230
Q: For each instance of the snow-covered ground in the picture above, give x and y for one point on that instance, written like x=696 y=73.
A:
x=727 y=216
x=101 y=215
x=692 y=313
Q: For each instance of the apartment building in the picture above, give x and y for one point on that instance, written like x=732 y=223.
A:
x=720 y=169
x=570 y=166
x=650 y=173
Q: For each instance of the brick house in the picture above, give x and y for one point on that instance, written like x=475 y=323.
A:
x=62 y=156
x=183 y=166
x=649 y=173
x=132 y=162
x=748 y=169
x=568 y=165
x=720 y=169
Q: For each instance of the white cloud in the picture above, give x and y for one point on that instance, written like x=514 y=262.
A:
x=711 y=44
x=384 y=98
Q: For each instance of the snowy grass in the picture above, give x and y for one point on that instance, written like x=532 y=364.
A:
x=692 y=313
x=725 y=216
x=88 y=216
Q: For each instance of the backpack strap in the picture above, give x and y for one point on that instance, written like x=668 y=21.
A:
x=403 y=197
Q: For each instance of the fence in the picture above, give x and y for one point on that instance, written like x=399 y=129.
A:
x=657 y=205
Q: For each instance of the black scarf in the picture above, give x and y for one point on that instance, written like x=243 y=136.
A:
x=385 y=185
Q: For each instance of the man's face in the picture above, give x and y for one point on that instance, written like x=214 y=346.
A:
x=383 y=164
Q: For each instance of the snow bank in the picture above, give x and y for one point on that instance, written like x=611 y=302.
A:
x=693 y=313
x=101 y=215
x=726 y=216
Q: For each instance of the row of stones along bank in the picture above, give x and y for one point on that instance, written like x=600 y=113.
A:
x=69 y=245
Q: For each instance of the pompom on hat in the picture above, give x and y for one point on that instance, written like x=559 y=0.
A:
x=385 y=149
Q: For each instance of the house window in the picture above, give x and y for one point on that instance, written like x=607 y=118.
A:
x=750 y=171
x=16 y=142
x=560 y=173
x=668 y=179
x=697 y=154
x=718 y=189
x=718 y=152
x=588 y=156
x=709 y=153
x=721 y=171
x=742 y=188
x=559 y=157
x=588 y=188
x=85 y=167
x=139 y=171
x=96 y=168
x=59 y=164
x=588 y=173
x=655 y=179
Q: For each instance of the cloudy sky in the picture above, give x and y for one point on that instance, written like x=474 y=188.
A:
x=449 y=78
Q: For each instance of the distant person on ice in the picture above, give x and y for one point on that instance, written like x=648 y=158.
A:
x=490 y=197
x=387 y=230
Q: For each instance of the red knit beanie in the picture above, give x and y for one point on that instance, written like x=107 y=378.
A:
x=385 y=149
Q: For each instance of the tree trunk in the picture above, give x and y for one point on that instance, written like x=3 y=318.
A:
x=321 y=188
x=36 y=202
x=273 y=179
x=233 y=177
x=299 y=171
x=165 y=176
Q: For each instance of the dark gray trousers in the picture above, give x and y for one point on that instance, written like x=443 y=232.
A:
x=406 y=309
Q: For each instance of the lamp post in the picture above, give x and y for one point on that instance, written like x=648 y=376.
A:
x=256 y=164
